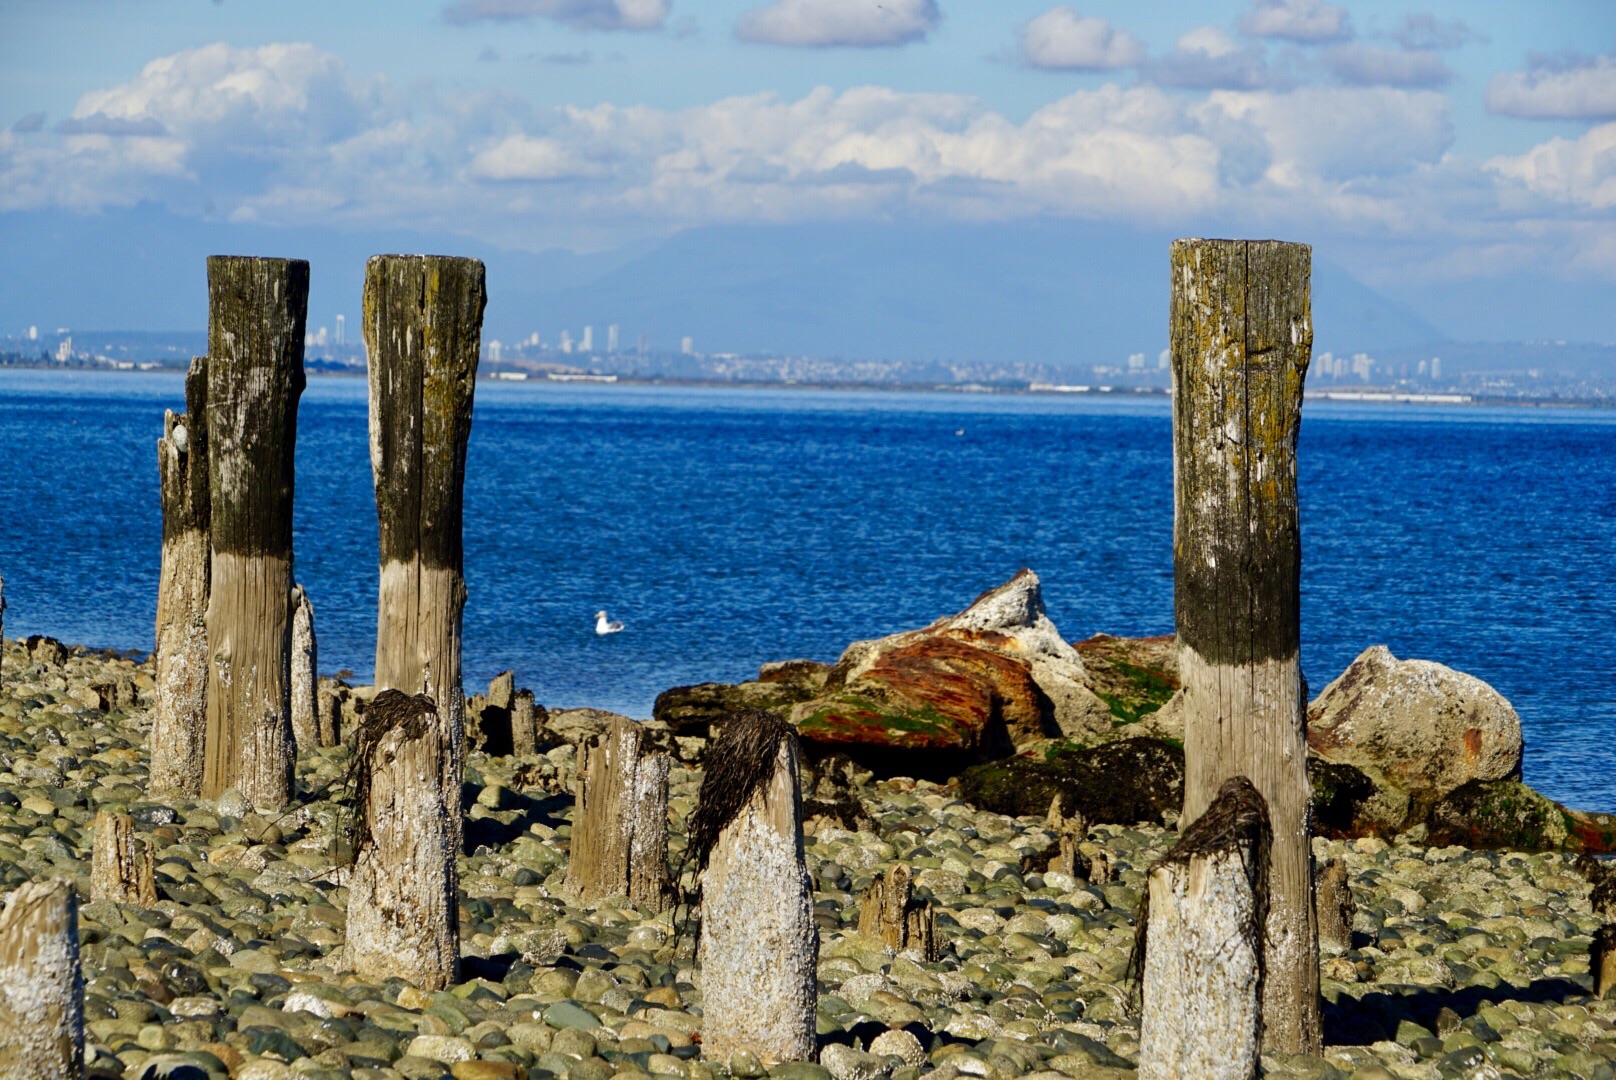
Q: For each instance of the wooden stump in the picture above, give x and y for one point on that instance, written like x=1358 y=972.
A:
x=759 y=948
x=524 y=723
x=403 y=918
x=332 y=695
x=1336 y=909
x=305 y=673
x=120 y=870
x=41 y=984
x=423 y=324
x=620 y=820
x=256 y=316
x=180 y=699
x=889 y=912
x=1602 y=960
x=1242 y=335
x=1199 y=945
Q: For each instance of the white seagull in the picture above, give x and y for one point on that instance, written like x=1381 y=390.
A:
x=604 y=625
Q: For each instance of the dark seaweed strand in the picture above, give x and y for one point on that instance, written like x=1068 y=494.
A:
x=1238 y=814
x=738 y=764
x=390 y=709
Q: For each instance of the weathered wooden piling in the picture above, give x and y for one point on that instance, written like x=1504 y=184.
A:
x=1602 y=959
x=403 y=918
x=1336 y=909
x=180 y=698
x=256 y=315
x=620 y=823
x=305 y=673
x=759 y=948
x=2 y=623
x=423 y=323
x=41 y=984
x=1242 y=335
x=120 y=869
x=524 y=723
x=889 y=912
x=1199 y=946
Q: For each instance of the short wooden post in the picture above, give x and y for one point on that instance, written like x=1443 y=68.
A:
x=524 y=724
x=120 y=870
x=305 y=673
x=1199 y=945
x=332 y=695
x=180 y=700
x=257 y=309
x=889 y=912
x=423 y=320
x=1602 y=959
x=759 y=948
x=402 y=906
x=1336 y=909
x=1242 y=335
x=620 y=820
x=41 y=984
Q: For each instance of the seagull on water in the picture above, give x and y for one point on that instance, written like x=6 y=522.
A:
x=603 y=625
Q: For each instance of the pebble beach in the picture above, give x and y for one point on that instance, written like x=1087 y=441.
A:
x=1464 y=963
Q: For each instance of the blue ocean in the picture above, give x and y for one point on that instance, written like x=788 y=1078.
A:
x=728 y=527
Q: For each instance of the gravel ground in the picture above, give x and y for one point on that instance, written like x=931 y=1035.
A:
x=1466 y=963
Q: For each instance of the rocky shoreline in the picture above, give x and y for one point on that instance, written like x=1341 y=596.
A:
x=1463 y=962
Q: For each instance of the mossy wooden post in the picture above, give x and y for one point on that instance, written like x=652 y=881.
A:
x=1242 y=335
x=423 y=317
x=759 y=948
x=305 y=674
x=120 y=870
x=403 y=918
x=1602 y=960
x=180 y=700
x=257 y=309
x=1202 y=967
x=41 y=984
x=620 y=820
x=524 y=724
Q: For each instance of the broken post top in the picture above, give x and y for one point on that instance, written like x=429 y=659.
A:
x=1241 y=338
x=423 y=318
x=257 y=310
x=183 y=458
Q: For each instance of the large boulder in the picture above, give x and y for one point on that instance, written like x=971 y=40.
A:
x=1423 y=728
x=1122 y=782
x=1508 y=814
x=693 y=710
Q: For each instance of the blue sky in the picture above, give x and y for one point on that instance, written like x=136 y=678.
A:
x=1425 y=144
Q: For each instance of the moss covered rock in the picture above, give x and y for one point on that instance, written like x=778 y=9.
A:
x=1122 y=782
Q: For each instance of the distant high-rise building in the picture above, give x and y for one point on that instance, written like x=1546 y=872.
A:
x=611 y=338
x=342 y=330
x=641 y=345
x=494 y=348
x=1163 y=358
x=1436 y=367
x=33 y=333
x=1136 y=361
x=587 y=342
x=533 y=340
x=566 y=342
x=64 y=350
x=687 y=345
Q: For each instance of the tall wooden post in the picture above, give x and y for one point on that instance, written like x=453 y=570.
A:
x=180 y=701
x=423 y=317
x=1199 y=947
x=620 y=820
x=257 y=309
x=41 y=984
x=759 y=949
x=1242 y=335
x=305 y=673
x=403 y=918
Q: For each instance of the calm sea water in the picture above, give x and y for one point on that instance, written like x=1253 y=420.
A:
x=731 y=527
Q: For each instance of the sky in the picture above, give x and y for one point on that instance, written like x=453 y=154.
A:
x=1430 y=145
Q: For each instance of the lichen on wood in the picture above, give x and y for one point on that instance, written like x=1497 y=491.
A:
x=41 y=984
x=620 y=820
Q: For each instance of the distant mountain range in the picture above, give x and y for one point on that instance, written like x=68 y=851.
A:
x=1065 y=293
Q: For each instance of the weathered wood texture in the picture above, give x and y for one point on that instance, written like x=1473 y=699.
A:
x=889 y=912
x=120 y=869
x=1202 y=939
x=41 y=984
x=2 y=623
x=524 y=723
x=1602 y=960
x=620 y=820
x=403 y=918
x=759 y=948
x=423 y=324
x=180 y=698
x=1336 y=909
x=256 y=315
x=305 y=673
x=332 y=695
x=1242 y=335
